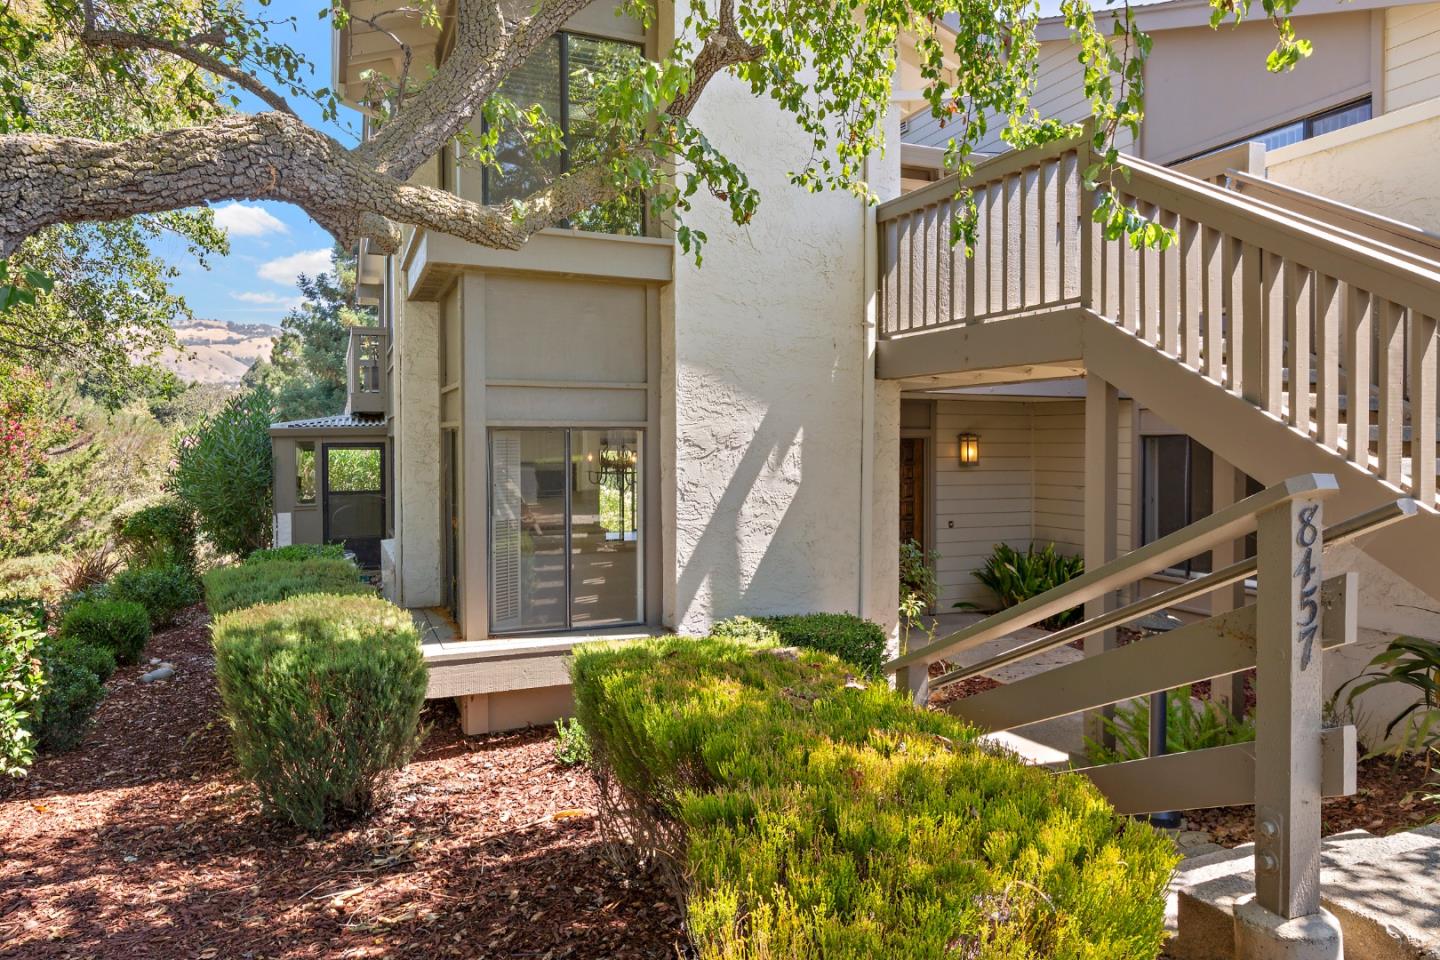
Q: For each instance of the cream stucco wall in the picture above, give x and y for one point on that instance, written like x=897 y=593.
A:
x=766 y=348
x=1385 y=165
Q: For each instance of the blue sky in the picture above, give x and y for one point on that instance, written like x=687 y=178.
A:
x=270 y=243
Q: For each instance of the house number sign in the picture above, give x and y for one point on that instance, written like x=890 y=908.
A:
x=1308 y=613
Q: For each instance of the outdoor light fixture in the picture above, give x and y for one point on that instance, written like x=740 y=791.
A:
x=969 y=450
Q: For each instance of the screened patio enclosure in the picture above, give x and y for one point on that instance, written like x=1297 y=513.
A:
x=332 y=483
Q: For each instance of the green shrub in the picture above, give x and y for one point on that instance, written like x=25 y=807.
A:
x=223 y=472
x=323 y=697
x=299 y=551
x=73 y=691
x=1190 y=724
x=162 y=533
x=269 y=581
x=22 y=684
x=1015 y=577
x=572 y=744
x=98 y=660
x=120 y=626
x=163 y=591
x=1411 y=662
x=28 y=610
x=805 y=817
x=33 y=576
x=858 y=642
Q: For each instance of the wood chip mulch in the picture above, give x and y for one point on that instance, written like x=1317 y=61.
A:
x=1389 y=797
x=142 y=843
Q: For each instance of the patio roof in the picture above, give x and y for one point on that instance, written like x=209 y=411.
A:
x=346 y=424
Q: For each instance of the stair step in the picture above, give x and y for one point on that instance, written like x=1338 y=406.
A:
x=1385 y=891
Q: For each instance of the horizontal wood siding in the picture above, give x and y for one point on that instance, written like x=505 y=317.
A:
x=1412 y=55
x=1029 y=486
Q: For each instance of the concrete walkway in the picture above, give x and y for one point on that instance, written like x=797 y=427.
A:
x=1065 y=734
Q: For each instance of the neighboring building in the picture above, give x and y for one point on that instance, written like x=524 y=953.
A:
x=593 y=436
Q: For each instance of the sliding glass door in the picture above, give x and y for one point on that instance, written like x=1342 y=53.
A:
x=565 y=543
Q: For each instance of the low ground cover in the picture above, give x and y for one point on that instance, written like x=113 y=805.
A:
x=800 y=813
x=269 y=581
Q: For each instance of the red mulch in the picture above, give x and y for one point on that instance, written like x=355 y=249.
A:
x=143 y=843
x=1388 y=798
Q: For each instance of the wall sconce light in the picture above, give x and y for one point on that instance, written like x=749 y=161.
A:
x=969 y=450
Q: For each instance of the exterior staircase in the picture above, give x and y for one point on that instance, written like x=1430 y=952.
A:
x=1297 y=339
x=1254 y=331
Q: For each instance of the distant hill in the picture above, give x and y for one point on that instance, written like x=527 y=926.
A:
x=215 y=351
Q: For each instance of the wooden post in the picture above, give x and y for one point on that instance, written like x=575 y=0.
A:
x=1288 y=701
x=1102 y=455
x=1227 y=486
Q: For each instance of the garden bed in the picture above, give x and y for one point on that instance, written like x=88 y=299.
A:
x=143 y=843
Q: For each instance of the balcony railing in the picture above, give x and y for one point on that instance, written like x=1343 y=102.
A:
x=365 y=370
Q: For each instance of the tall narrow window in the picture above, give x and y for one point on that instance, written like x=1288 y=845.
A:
x=565 y=529
x=562 y=78
x=305 y=472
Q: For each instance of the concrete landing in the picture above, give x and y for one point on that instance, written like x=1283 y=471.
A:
x=1384 y=890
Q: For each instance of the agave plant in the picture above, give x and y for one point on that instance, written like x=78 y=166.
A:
x=1015 y=577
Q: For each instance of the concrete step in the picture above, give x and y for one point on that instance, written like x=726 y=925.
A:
x=1385 y=891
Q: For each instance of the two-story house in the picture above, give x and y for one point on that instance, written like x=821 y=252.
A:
x=593 y=436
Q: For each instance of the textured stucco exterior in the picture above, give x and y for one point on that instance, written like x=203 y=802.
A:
x=417 y=457
x=1385 y=165
x=767 y=346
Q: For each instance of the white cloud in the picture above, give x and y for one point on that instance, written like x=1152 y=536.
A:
x=239 y=220
x=268 y=299
x=287 y=270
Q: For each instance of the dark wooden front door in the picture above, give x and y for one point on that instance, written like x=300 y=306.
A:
x=912 y=490
x=450 y=505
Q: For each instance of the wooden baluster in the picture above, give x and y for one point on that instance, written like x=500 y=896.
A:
x=1272 y=333
x=1423 y=357
x=1014 y=238
x=971 y=266
x=1358 y=340
x=1050 y=265
x=1073 y=223
x=1170 y=281
x=1192 y=292
x=1032 y=220
x=1234 y=324
x=1329 y=319
x=994 y=247
x=907 y=275
x=1250 y=338
x=1212 y=267
x=1299 y=306
x=888 y=273
x=947 y=258
x=931 y=264
x=1150 y=284
x=1131 y=279
x=1390 y=379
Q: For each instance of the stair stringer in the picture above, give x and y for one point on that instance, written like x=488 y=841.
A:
x=1261 y=445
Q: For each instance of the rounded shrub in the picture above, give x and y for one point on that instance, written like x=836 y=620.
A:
x=161 y=533
x=323 y=695
x=853 y=639
x=163 y=590
x=72 y=693
x=22 y=684
x=98 y=660
x=270 y=581
x=120 y=626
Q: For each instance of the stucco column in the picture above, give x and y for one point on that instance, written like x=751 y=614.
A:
x=417 y=455
x=882 y=598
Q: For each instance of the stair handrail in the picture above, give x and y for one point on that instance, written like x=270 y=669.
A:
x=1225 y=525
x=1398 y=279
x=1396 y=234
x=1343 y=532
x=987 y=171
